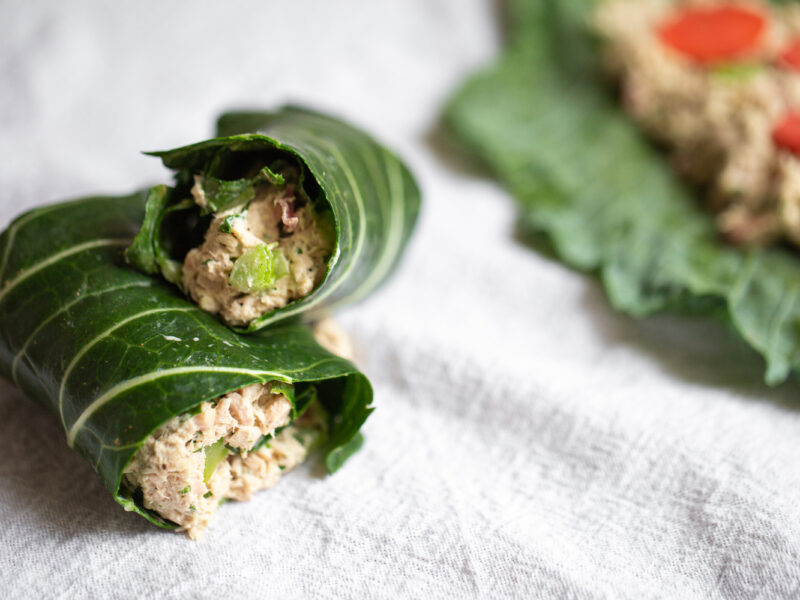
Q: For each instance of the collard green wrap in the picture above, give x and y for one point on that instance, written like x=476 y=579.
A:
x=372 y=195
x=115 y=353
x=586 y=179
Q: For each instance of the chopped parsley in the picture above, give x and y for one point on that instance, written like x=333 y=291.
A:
x=227 y=224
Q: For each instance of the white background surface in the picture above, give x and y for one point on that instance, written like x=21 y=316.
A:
x=528 y=442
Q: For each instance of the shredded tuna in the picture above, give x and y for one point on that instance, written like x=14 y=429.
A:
x=331 y=337
x=198 y=193
x=169 y=468
x=271 y=217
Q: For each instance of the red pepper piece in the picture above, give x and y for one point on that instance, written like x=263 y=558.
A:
x=713 y=34
x=790 y=57
x=786 y=133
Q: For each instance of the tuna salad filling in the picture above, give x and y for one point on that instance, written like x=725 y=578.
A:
x=718 y=84
x=259 y=253
x=227 y=450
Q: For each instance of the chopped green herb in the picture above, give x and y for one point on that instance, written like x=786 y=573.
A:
x=273 y=177
x=259 y=268
x=186 y=490
x=227 y=224
x=282 y=467
x=208 y=494
x=192 y=508
x=299 y=250
x=221 y=194
x=282 y=387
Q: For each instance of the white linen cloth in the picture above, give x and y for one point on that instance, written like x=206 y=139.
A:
x=528 y=442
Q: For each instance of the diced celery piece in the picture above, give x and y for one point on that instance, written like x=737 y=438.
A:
x=259 y=268
x=215 y=454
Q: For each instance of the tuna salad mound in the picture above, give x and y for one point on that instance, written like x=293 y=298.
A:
x=718 y=84
x=261 y=252
x=230 y=448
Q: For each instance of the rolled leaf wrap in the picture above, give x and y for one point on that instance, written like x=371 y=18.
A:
x=115 y=354
x=370 y=194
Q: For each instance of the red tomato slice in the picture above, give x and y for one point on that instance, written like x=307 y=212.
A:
x=711 y=34
x=790 y=57
x=786 y=133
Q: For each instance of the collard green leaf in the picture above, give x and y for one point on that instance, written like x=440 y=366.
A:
x=115 y=353
x=606 y=200
x=372 y=195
